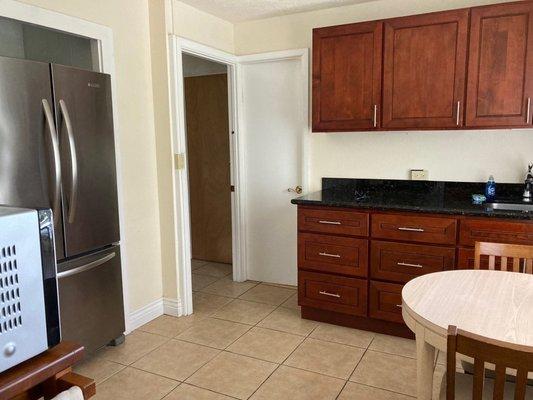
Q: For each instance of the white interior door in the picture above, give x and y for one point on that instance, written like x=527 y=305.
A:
x=275 y=124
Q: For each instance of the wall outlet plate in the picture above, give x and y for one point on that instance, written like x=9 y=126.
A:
x=419 y=175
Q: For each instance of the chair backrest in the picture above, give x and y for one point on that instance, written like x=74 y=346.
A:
x=513 y=257
x=484 y=350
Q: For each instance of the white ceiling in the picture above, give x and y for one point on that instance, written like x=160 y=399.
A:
x=245 y=10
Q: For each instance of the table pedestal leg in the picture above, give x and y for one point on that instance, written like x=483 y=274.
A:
x=425 y=358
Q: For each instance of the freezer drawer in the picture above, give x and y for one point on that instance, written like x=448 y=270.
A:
x=90 y=296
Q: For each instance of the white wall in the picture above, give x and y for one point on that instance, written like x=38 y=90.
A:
x=448 y=155
x=193 y=24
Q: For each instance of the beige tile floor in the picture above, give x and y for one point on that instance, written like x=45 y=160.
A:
x=247 y=341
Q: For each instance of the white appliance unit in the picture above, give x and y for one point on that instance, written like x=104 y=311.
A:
x=29 y=313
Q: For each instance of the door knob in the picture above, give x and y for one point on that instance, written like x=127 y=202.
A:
x=297 y=189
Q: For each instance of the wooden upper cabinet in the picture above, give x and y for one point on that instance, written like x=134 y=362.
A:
x=500 y=85
x=347 y=77
x=424 y=70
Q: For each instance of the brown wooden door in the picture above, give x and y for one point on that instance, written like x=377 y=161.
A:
x=424 y=67
x=500 y=84
x=206 y=104
x=347 y=77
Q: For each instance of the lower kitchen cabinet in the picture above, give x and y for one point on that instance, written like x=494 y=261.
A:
x=386 y=301
x=332 y=292
x=352 y=264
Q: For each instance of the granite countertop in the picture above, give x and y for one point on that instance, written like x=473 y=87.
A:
x=418 y=196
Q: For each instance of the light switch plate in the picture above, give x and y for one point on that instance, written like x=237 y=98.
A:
x=419 y=175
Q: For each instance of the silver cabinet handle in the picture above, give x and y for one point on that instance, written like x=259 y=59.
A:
x=329 y=222
x=404 y=228
x=329 y=255
x=56 y=190
x=402 y=264
x=323 y=292
x=528 y=114
x=399 y=305
x=73 y=163
x=375 y=117
x=86 y=267
x=458 y=117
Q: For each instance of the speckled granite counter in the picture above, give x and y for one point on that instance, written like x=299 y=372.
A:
x=416 y=196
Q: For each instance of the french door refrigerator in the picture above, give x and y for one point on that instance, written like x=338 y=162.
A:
x=57 y=151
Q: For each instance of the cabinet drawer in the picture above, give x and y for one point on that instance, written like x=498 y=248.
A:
x=488 y=230
x=465 y=260
x=334 y=254
x=386 y=301
x=401 y=262
x=333 y=221
x=414 y=228
x=333 y=293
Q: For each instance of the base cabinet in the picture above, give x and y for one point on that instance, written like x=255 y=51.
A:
x=352 y=264
x=386 y=301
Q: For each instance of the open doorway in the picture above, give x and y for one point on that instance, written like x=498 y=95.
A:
x=207 y=123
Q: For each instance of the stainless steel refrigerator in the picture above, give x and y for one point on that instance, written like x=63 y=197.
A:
x=57 y=151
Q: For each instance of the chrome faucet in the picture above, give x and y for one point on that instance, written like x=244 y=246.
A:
x=528 y=190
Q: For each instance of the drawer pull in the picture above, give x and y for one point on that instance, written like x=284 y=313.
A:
x=402 y=264
x=329 y=255
x=338 y=296
x=329 y=222
x=399 y=305
x=405 y=228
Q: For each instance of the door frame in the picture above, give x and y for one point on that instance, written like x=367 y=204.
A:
x=177 y=47
x=105 y=50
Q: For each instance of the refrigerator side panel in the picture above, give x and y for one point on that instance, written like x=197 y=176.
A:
x=29 y=164
x=85 y=128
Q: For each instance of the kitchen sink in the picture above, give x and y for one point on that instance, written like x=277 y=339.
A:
x=509 y=207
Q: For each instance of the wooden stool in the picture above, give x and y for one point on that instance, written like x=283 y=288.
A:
x=46 y=375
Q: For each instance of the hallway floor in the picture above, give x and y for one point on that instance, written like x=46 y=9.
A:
x=247 y=340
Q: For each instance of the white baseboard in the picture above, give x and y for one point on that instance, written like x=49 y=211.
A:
x=144 y=315
x=172 y=307
x=153 y=310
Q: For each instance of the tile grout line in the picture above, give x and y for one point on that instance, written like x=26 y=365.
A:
x=353 y=370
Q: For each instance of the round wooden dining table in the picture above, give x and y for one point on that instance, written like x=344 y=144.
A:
x=494 y=304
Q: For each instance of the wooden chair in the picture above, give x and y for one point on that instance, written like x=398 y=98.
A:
x=521 y=256
x=483 y=350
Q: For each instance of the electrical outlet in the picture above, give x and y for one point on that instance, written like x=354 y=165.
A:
x=419 y=175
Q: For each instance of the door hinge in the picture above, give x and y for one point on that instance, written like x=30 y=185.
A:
x=179 y=161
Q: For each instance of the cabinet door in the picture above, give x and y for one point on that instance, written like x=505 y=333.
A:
x=424 y=69
x=500 y=66
x=347 y=77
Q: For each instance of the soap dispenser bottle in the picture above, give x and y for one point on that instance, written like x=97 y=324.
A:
x=490 y=189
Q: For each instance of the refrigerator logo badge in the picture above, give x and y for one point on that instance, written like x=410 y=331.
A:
x=93 y=85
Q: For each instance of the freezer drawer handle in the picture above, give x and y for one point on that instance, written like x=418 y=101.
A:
x=73 y=163
x=86 y=267
x=56 y=196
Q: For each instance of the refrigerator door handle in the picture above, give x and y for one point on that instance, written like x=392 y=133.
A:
x=86 y=267
x=73 y=163
x=56 y=195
